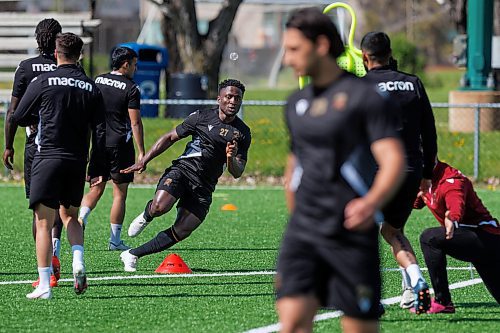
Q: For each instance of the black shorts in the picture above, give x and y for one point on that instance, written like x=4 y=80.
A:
x=192 y=196
x=342 y=274
x=56 y=182
x=29 y=153
x=397 y=211
x=117 y=158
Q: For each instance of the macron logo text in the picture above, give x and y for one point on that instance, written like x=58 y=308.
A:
x=43 y=67
x=396 y=86
x=71 y=82
x=111 y=82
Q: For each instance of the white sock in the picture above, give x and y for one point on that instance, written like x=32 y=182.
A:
x=84 y=214
x=415 y=274
x=116 y=230
x=77 y=255
x=405 y=282
x=44 y=275
x=56 y=247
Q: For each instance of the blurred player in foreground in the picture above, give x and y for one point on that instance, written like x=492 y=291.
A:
x=219 y=139
x=329 y=253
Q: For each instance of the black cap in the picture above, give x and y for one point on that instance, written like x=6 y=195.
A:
x=376 y=43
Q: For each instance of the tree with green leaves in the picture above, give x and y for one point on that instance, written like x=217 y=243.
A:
x=189 y=50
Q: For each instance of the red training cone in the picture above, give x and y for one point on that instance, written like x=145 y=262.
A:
x=173 y=264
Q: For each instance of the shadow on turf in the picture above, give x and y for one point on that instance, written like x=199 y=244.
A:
x=230 y=249
x=186 y=295
x=195 y=270
x=162 y=283
x=478 y=305
x=457 y=316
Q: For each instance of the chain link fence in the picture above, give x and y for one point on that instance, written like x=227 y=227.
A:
x=468 y=137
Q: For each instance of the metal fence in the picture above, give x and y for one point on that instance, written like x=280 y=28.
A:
x=468 y=136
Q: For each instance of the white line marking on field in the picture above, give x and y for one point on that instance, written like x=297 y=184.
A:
x=161 y=276
x=335 y=314
x=157 y=276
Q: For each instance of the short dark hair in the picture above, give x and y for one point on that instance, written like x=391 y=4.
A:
x=377 y=45
x=312 y=23
x=70 y=45
x=232 y=83
x=121 y=55
x=45 y=35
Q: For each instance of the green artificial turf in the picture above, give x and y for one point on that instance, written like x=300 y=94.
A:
x=245 y=241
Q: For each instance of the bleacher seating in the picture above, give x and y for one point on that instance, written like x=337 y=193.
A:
x=17 y=41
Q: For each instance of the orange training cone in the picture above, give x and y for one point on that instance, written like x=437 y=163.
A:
x=173 y=264
x=229 y=207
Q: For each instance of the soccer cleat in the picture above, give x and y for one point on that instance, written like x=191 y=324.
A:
x=53 y=282
x=129 y=261
x=422 y=297
x=407 y=299
x=440 y=308
x=137 y=225
x=56 y=267
x=118 y=247
x=80 y=279
x=40 y=294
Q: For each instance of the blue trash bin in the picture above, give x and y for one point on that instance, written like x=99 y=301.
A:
x=150 y=62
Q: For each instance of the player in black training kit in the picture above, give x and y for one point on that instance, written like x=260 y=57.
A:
x=329 y=253
x=45 y=34
x=69 y=107
x=418 y=131
x=219 y=139
x=122 y=99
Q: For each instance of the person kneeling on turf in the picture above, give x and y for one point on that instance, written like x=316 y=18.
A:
x=468 y=232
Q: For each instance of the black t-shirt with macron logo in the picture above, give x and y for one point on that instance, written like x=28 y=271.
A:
x=204 y=157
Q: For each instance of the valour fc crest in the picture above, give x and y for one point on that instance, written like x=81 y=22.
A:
x=339 y=101
x=318 y=107
x=236 y=135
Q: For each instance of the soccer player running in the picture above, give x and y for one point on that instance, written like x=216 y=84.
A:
x=69 y=107
x=123 y=121
x=219 y=139
x=45 y=35
x=468 y=232
x=329 y=253
x=418 y=131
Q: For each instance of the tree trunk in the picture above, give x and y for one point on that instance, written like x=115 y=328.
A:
x=190 y=52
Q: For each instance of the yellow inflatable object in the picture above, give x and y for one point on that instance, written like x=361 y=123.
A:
x=351 y=59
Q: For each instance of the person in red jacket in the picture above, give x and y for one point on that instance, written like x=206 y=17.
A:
x=468 y=232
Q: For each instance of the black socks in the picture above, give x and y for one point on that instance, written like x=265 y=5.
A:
x=164 y=240
x=148 y=217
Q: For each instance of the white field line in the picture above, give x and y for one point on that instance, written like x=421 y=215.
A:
x=157 y=276
x=335 y=314
x=166 y=276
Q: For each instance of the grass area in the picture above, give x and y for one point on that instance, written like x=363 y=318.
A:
x=244 y=241
x=270 y=139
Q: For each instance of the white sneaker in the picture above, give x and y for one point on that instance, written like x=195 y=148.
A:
x=80 y=279
x=129 y=261
x=407 y=299
x=40 y=294
x=118 y=247
x=137 y=225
